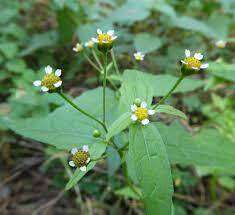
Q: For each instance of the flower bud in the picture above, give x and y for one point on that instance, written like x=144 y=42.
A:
x=137 y=102
x=96 y=133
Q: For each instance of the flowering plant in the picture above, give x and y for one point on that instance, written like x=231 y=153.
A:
x=97 y=121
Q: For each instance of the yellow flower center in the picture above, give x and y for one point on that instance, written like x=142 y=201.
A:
x=141 y=113
x=192 y=62
x=49 y=80
x=104 y=38
x=80 y=158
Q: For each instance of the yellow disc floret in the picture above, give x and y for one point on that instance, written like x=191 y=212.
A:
x=192 y=62
x=80 y=158
x=49 y=80
x=141 y=113
x=104 y=38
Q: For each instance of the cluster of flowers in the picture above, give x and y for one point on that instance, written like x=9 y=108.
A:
x=51 y=82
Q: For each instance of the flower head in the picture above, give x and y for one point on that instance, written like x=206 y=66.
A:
x=220 y=44
x=80 y=158
x=105 y=40
x=51 y=81
x=89 y=44
x=192 y=64
x=141 y=113
x=78 y=47
x=139 y=56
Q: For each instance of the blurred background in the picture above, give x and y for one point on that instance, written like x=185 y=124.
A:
x=36 y=33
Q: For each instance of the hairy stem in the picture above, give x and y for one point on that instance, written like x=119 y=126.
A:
x=104 y=87
x=115 y=62
x=170 y=92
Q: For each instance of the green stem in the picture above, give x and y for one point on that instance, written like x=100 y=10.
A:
x=170 y=92
x=97 y=59
x=115 y=62
x=104 y=87
x=81 y=110
x=91 y=62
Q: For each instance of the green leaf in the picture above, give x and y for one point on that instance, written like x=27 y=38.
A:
x=66 y=128
x=152 y=168
x=141 y=85
x=208 y=148
x=119 y=125
x=146 y=43
x=9 y=49
x=170 y=110
x=127 y=192
x=223 y=70
x=96 y=151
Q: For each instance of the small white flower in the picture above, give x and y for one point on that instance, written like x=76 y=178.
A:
x=139 y=56
x=51 y=81
x=194 y=62
x=78 y=47
x=89 y=44
x=80 y=158
x=220 y=44
x=141 y=113
x=101 y=38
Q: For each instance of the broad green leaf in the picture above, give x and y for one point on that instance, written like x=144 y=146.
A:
x=135 y=85
x=127 y=192
x=129 y=13
x=223 y=70
x=146 y=43
x=141 y=85
x=170 y=110
x=8 y=49
x=119 y=125
x=208 y=148
x=66 y=127
x=96 y=151
x=152 y=168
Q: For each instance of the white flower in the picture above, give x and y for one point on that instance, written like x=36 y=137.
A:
x=80 y=158
x=51 y=81
x=141 y=113
x=139 y=56
x=89 y=44
x=220 y=44
x=78 y=47
x=194 y=62
x=106 y=38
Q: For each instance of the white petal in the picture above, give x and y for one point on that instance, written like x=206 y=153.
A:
x=88 y=160
x=58 y=72
x=204 y=66
x=37 y=83
x=94 y=40
x=195 y=68
x=184 y=62
x=44 y=89
x=114 y=37
x=145 y=121
x=86 y=44
x=85 y=148
x=198 y=56
x=110 y=32
x=133 y=117
x=143 y=104
x=99 y=31
x=83 y=168
x=74 y=151
x=187 y=53
x=133 y=108
x=151 y=112
x=71 y=163
x=58 y=84
x=48 y=69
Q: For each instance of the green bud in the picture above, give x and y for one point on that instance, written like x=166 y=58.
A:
x=96 y=133
x=137 y=102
